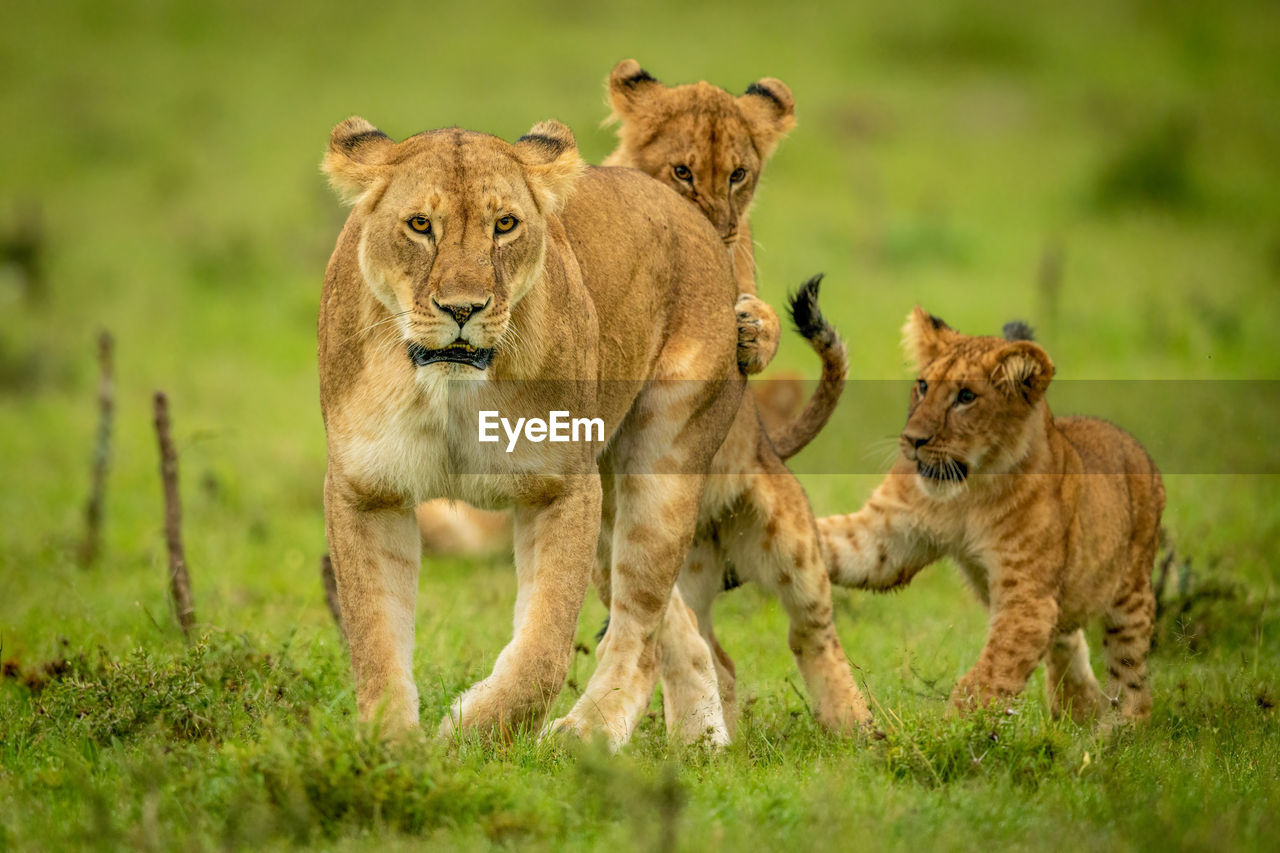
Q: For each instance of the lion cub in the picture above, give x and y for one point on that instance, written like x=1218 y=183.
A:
x=1053 y=520
x=711 y=147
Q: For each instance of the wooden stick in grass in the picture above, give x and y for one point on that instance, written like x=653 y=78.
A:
x=331 y=592
x=179 y=580
x=91 y=546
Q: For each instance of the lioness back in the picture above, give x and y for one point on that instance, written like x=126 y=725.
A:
x=620 y=216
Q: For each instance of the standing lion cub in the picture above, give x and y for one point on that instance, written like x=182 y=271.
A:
x=1054 y=521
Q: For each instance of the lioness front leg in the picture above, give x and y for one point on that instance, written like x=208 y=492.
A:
x=375 y=553
x=758 y=333
x=1023 y=624
x=655 y=522
x=658 y=468
x=554 y=553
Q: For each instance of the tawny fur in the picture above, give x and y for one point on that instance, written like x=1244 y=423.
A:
x=710 y=147
x=556 y=297
x=711 y=132
x=1054 y=521
x=454 y=527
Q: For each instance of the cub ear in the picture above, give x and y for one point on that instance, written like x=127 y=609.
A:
x=1022 y=368
x=925 y=337
x=551 y=162
x=356 y=151
x=770 y=109
x=629 y=86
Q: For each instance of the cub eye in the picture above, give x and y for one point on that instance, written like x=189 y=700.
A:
x=504 y=224
x=965 y=397
x=739 y=175
x=922 y=386
x=682 y=172
x=420 y=223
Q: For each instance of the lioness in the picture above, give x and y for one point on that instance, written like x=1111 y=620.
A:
x=476 y=275
x=1053 y=520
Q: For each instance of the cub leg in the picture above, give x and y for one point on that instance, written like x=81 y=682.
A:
x=1069 y=679
x=775 y=543
x=375 y=563
x=689 y=689
x=1127 y=639
x=600 y=572
x=1023 y=622
x=701 y=580
x=554 y=556
x=879 y=547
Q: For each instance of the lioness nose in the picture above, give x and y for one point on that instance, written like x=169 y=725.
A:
x=461 y=311
x=916 y=440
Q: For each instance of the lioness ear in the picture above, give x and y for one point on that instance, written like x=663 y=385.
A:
x=356 y=151
x=630 y=85
x=549 y=154
x=925 y=337
x=1022 y=368
x=770 y=109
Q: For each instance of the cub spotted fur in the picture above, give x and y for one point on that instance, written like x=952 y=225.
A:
x=1054 y=521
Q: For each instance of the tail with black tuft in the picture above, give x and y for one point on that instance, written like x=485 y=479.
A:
x=825 y=341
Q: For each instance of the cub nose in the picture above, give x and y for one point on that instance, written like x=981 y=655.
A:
x=461 y=311
x=916 y=440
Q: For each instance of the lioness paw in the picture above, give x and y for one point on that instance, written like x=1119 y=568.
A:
x=758 y=333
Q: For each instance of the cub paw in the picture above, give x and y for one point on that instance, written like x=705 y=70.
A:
x=845 y=718
x=758 y=334
x=971 y=695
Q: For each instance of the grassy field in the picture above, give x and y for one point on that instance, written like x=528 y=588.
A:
x=1108 y=171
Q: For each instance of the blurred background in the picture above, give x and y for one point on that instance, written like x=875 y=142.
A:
x=1108 y=173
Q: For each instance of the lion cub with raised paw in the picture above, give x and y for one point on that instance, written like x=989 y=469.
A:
x=1053 y=520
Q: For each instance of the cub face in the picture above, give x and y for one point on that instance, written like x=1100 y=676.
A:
x=698 y=139
x=975 y=406
x=453 y=236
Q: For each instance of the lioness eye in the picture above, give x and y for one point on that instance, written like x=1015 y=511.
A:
x=965 y=397
x=738 y=176
x=421 y=224
x=922 y=386
x=682 y=172
x=504 y=224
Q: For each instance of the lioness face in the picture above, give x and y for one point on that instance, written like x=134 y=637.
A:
x=701 y=141
x=974 y=405
x=453 y=230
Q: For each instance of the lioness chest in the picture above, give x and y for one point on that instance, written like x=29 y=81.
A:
x=422 y=435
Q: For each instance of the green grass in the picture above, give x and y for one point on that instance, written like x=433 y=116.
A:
x=943 y=152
